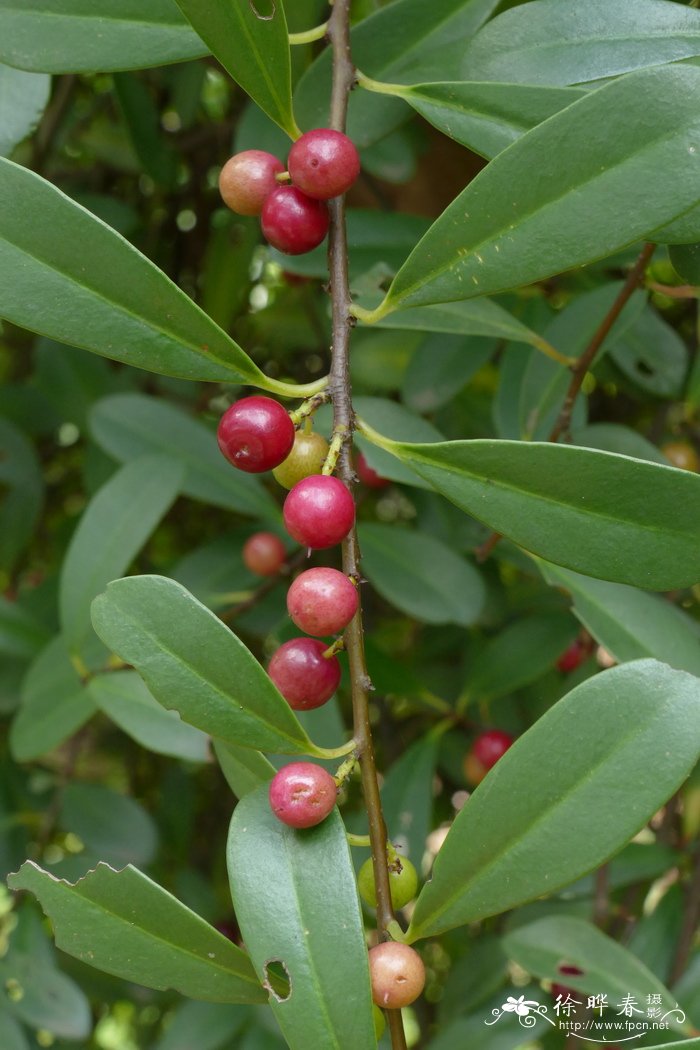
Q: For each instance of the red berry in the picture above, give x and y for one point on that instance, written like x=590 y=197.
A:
x=368 y=475
x=292 y=222
x=247 y=179
x=319 y=512
x=563 y=990
x=397 y=974
x=322 y=601
x=572 y=657
x=323 y=163
x=256 y=434
x=488 y=747
x=302 y=794
x=264 y=554
x=304 y=676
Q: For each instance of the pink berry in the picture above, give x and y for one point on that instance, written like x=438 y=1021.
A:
x=576 y=654
x=256 y=434
x=397 y=974
x=248 y=179
x=304 y=676
x=264 y=554
x=319 y=512
x=292 y=222
x=322 y=601
x=323 y=163
x=302 y=794
x=490 y=746
x=368 y=475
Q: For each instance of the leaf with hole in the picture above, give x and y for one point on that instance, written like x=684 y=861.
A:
x=567 y=795
x=293 y=919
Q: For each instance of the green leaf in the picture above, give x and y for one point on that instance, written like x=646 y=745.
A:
x=125 y=924
x=111 y=533
x=54 y=704
x=12 y=1036
x=244 y=769
x=288 y=916
x=112 y=826
x=70 y=276
x=22 y=492
x=407 y=795
x=77 y=36
x=124 y=698
x=21 y=636
x=629 y=623
x=215 y=571
x=129 y=426
x=508 y=228
x=481 y=318
x=441 y=366
x=392 y=418
x=550 y=42
x=614 y=437
x=421 y=576
x=23 y=97
x=519 y=654
x=251 y=40
x=194 y=664
x=49 y=999
x=407 y=40
x=567 y=795
x=208 y=1026
x=608 y=968
x=595 y=512
x=686 y=261
x=652 y=354
x=487 y=118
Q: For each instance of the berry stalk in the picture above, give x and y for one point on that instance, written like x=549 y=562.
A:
x=343 y=420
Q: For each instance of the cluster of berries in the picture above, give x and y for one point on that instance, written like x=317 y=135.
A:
x=292 y=204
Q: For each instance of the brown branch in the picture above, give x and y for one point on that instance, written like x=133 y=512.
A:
x=53 y=118
x=343 y=420
x=691 y=922
x=579 y=370
x=588 y=356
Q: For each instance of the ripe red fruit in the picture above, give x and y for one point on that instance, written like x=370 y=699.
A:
x=322 y=601
x=302 y=794
x=303 y=675
x=368 y=475
x=319 y=512
x=574 y=656
x=256 y=434
x=247 y=179
x=292 y=222
x=484 y=753
x=264 y=554
x=397 y=974
x=561 y=989
x=323 y=163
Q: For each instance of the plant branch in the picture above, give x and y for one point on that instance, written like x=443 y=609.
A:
x=343 y=421
x=588 y=356
x=691 y=922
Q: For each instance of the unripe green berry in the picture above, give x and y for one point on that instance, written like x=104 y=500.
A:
x=403 y=882
x=306 y=458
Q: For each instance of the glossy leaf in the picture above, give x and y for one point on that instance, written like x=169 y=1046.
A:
x=630 y=623
x=519 y=654
x=244 y=769
x=420 y=575
x=407 y=796
x=129 y=426
x=208 y=1026
x=77 y=36
x=406 y=41
x=391 y=418
x=288 y=916
x=54 y=704
x=583 y=766
x=112 y=826
x=252 y=43
x=124 y=698
x=550 y=42
x=23 y=97
x=487 y=118
x=521 y=220
x=614 y=437
x=652 y=354
x=601 y=514
x=127 y=925
x=194 y=664
x=116 y=524
x=73 y=278
x=608 y=968
x=440 y=368
x=480 y=318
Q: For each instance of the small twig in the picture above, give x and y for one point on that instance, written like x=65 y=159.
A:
x=309 y=36
x=601 y=901
x=675 y=291
x=53 y=118
x=691 y=922
x=589 y=354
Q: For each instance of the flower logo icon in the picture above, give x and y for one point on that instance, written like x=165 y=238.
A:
x=520 y=1006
